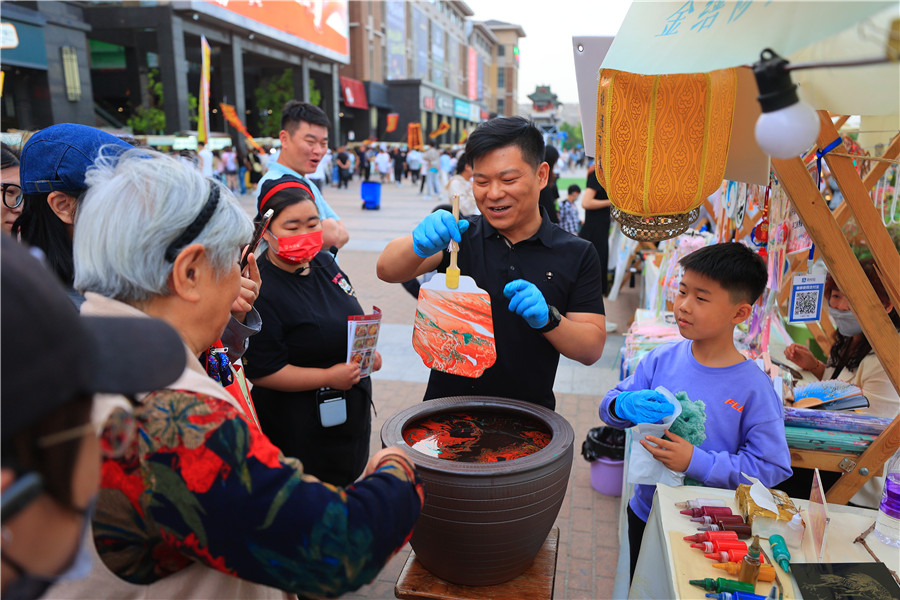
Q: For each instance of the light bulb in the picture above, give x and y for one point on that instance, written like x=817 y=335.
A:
x=786 y=126
x=787 y=132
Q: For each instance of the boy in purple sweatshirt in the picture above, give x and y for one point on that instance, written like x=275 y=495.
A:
x=745 y=423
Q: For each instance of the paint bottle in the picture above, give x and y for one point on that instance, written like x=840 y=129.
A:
x=794 y=532
x=750 y=564
x=780 y=553
x=736 y=596
x=766 y=572
x=721 y=584
x=709 y=520
x=708 y=536
x=720 y=545
x=699 y=502
x=727 y=555
x=707 y=511
x=743 y=531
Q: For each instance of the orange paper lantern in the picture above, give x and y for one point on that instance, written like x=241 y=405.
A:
x=662 y=145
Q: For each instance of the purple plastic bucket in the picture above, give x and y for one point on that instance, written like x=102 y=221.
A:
x=606 y=476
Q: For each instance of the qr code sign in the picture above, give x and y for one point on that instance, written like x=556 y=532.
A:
x=805 y=304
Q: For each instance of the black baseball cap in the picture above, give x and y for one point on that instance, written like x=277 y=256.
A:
x=49 y=354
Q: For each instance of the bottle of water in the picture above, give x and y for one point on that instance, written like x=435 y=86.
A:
x=887 y=525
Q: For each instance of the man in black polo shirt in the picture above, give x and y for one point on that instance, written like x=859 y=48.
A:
x=544 y=284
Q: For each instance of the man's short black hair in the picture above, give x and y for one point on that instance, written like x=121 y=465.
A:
x=507 y=131
x=295 y=111
x=738 y=269
x=574 y=189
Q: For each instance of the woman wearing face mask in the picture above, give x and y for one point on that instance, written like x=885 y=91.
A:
x=852 y=360
x=296 y=362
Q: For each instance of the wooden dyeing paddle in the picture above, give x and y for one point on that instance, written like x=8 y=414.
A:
x=454 y=331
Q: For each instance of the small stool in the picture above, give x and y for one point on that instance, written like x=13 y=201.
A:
x=536 y=583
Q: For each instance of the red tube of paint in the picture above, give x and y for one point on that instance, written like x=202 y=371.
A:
x=708 y=536
x=708 y=520
x=732 y=555
x=743 y=531
x=720 y=545
x=707 y=511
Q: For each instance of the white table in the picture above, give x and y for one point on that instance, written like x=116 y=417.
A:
x=666 y=561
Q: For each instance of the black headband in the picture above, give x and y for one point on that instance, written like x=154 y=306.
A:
x=196 y=226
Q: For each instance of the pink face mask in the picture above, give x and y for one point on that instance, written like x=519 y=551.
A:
x=299 y=249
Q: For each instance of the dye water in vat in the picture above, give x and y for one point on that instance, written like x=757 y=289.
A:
x=477 y=437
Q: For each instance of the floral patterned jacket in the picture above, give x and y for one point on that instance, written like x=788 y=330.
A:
x=201 y=486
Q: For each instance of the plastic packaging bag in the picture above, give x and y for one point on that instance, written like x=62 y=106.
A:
x=642 y=467
x=604 y=442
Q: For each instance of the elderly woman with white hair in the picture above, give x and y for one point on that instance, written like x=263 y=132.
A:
x=203 y=505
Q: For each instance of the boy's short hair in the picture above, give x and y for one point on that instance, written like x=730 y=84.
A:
x=574 y=189
x=501 y=132
x=295 y=111
x=738 y=269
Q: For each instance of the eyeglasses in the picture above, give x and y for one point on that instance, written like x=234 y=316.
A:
x=119 y=432
x=12 y=195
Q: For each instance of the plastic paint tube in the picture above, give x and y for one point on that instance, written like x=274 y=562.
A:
x=719 y=545
x=707 y=511
x=708 y=536
x=700 y=502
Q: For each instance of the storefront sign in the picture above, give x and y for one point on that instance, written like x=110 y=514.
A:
x=420 y=35
x=472 y=74
x=443 y=104
x=428 y=102
x=460 y=108
x=322 y=24
x=395 y=14
x=8 y=36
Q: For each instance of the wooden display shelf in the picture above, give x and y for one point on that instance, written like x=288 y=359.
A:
x=824 y=229
x=417 y=583
x=824 y=461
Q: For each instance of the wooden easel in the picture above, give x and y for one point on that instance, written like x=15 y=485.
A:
x=825 y=230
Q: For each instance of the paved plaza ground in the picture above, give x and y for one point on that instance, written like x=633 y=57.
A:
x=588 y=544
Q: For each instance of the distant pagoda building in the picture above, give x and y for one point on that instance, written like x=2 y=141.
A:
x=545 y=112
x=543 y=99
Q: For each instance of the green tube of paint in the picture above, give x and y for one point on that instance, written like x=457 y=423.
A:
x=722 y=585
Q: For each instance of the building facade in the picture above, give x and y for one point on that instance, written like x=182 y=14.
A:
x=505 y=71
x=106 y=64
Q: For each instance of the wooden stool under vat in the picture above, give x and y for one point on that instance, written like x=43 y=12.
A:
x=536 y=583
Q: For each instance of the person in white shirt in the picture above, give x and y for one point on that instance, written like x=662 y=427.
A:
x=461 y=184
x=383 y=164
x=304 y=140
x=206 y=159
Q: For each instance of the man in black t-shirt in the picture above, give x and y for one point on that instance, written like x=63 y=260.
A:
x=544 y=283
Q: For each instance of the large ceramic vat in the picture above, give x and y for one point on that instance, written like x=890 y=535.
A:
x=484 y=523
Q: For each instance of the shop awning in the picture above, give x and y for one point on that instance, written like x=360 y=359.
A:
x=354 y=93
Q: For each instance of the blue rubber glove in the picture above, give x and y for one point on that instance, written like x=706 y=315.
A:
x=643 y=406
x=435 y=231
x=527 y=301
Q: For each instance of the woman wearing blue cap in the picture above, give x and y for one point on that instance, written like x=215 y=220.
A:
x=52 y=168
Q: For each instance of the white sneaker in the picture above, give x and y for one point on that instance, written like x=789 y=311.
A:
x=611 y=327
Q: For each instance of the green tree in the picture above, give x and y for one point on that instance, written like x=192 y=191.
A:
x=574 y=135
x=150 y=119
x=272 y=94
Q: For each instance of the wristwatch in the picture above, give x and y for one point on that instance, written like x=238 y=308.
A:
x=553 y=321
